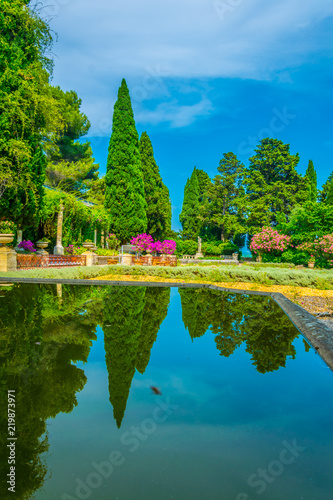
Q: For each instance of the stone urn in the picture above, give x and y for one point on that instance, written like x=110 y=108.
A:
x=89 y=245
x=42 y=245
x=6 y=238
x=311 y=265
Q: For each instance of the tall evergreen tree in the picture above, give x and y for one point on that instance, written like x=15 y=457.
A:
x=225 y=198
x=125 y=196
x=156 y=193
x=273 y=184
x=311 y=179
x=189 y=216
x=27 y=110
x=326 y=188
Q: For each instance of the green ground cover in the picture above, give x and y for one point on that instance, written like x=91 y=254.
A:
x=322 y=280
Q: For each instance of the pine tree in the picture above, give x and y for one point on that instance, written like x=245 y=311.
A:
x=156 y=193
x=124 y=196
x=225 y=201
x=273 y=185
x=311 y=179
x=189 y=216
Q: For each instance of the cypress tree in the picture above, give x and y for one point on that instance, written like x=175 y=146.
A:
x=311 y=178
x=124 y=196
x=326 y=188
x=156 y=193
x=189 y=216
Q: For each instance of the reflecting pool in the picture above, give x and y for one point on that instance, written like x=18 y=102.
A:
x=241 y=406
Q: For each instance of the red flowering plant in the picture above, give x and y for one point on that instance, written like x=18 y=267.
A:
x=269 y=240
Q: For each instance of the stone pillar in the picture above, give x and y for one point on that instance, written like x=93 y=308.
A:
x=126 y=259
x=8 y=259
x=103 y=239
x=95 y=237
x=91 y=258
x=59 y=249
x=19 y=237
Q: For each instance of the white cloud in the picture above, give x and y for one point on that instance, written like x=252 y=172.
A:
x=175 y=114
x=102 y=41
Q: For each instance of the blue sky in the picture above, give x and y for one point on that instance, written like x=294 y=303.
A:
x=205 y=76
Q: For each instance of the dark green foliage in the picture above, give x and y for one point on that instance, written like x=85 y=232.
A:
x=235 y=319
x=123 y=313
x=155 y=311
x=70 y=165
x=272 y=183
x=327 y=187
x=225 y=201
x=156 y=193
x=189 y=216
x=308 y=221
x=125 y=197
x=80 y=221
x=27 y=111
x=311 y=182
x=43 y=375
x=132 y=318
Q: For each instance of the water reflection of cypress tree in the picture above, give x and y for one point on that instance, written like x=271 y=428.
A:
x=44 y=380
x=234 y=318
x=155 y=311
x=195 y=308
x=123 y=314
x=132 y=318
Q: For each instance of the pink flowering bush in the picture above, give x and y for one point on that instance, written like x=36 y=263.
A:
x=169 y=247
x=269 y=240
x=145 y=243
x=142 y=242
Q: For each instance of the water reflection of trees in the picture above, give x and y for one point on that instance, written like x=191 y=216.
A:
x=132 y=318
x=41 y=335
x=235 y=319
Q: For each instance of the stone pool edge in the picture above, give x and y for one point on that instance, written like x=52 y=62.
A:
x=319 y=336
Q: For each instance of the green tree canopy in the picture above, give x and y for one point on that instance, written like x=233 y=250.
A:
x=272 y=183
x=225 y=201
x=156 y=193
x=311 y=182
x=70 y=163
x=325 y=193
x=190 y=214
x=28 y=110
x=125 y=195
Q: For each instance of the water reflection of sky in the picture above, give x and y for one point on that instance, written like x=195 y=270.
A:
x=229 y=422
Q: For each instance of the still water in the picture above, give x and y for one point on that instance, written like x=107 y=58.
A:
x=243 y=409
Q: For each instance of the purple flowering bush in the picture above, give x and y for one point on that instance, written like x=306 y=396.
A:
x=27 y=246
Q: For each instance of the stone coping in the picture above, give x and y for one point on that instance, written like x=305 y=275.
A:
x=315 y=332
